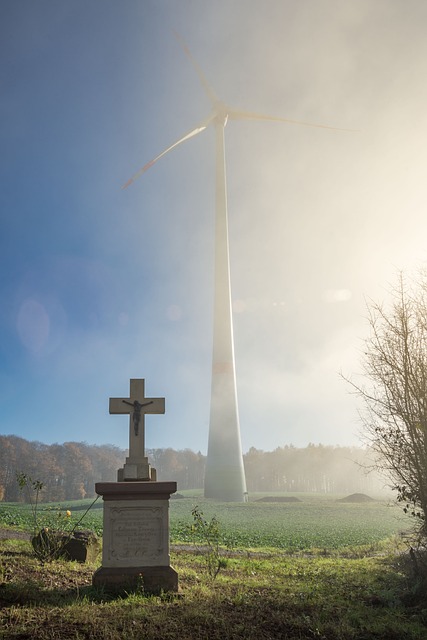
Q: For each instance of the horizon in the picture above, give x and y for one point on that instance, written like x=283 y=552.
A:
x=148 y=449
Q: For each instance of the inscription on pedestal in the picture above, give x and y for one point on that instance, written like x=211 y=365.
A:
x=136 y=533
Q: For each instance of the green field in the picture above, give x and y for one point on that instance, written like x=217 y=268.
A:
x=315 y=522
x=317 y=568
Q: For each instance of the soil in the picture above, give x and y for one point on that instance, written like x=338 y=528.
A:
x=13 y=534
x=357 y=497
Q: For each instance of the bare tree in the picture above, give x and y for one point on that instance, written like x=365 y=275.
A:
x=395 y=392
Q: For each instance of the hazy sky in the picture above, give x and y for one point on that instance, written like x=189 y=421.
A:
x=99 y=285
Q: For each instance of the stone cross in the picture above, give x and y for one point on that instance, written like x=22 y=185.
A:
x=137 y=406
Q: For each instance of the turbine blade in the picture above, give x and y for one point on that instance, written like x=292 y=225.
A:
x=201 y=127
x=207 y=87
x=235 y=114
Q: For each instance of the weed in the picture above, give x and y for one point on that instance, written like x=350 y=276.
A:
x=209 y=533
x=52 y=529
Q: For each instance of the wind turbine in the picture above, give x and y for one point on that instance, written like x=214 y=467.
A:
x=224 y=474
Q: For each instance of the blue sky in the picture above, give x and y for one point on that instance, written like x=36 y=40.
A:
x=98 y=285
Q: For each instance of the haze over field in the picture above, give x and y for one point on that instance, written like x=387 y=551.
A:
x=99 y=285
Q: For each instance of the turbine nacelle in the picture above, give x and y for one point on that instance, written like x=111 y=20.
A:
x=221 y=114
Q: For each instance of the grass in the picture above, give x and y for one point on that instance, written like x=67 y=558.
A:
x=256 y=596
x=311 y=569
x=318 y=521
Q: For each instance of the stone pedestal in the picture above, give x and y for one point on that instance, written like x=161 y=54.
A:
x=133 y=471
x=135 y=548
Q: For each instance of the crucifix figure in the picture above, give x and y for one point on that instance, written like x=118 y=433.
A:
x=137 y=405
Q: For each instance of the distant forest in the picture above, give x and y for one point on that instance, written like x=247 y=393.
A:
x=69 y=471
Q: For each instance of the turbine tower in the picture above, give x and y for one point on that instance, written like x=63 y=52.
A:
x=224 y=474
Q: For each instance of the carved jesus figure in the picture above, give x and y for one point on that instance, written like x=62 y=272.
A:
x=136 y=417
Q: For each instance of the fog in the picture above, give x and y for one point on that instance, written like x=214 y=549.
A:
x=104 y=285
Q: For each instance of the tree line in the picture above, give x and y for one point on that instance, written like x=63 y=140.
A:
x=314 y=469
x=70 y=470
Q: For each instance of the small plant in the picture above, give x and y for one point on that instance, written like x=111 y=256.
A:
x=209 y=533
x=52 y=528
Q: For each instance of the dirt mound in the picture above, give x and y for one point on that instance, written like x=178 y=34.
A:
x=357 y=497
x=278 y=499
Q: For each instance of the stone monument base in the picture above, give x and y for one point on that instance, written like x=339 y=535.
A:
x=134 y=471
x=135 y=549
x=150 y=579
